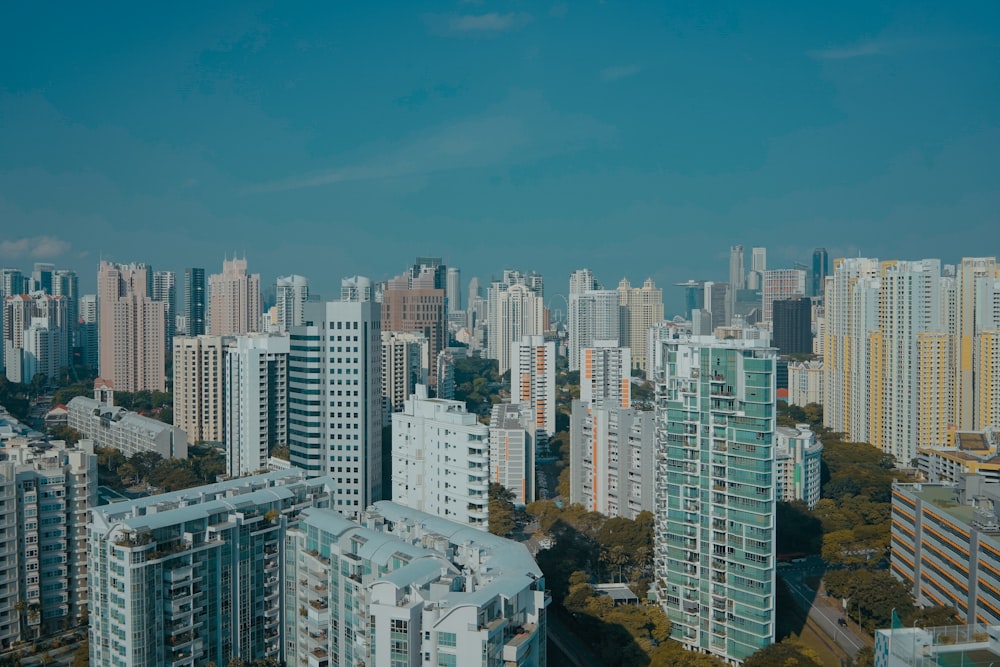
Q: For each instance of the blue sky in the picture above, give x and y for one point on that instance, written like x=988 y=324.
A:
x=634 y=138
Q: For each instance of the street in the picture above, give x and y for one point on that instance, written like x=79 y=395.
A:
x=823 y=611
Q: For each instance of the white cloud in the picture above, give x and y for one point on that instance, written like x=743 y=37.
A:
x=619 y=72
x=34 y=247
x=491 y=22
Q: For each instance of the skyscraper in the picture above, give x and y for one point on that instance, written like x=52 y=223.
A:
x=198 y=386
x=516 y=308
x=335 y=397
x=758 y=266
x=820 y=269
x=454 y=290
x=234 y=299
x=781 y=284
x=11 y=282
x=737 y=269
x=194 y=301
x=89 y=337
x=131 y=328
x=792 y=326
x=642 y=307
x=606 y=374
x=256 y=411
x=973 y=272
x=715 y=496
x=414 y=302
x=580 y=281
x=405 y=364
x=165 y=290
x=292 y=295
x=66 y=284
x=41 y=277
x=594 y=315
x=35 y=335
x=512 y=450
x=533 y=380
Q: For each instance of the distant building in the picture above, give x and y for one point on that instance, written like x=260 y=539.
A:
x=405 y=364
x=445 y=375
x=797 y=464
x=415 y=302
x=965 y=453
x=128 y=432
x=606 y=374
x=533 y=380
x=36 y=336
x=792 y=326
x=593 y=315
x=440 y=460
x=165 y=291
x=512 y=450
x=805 y=382
x=131 y=330
x=234 y=302
x=780 y=285
x=642 y=307
x=515 y=308
x=292 y=295
x=195 y=298
x=198 y=386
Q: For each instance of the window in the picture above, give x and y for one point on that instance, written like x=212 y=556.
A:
x=447 y=639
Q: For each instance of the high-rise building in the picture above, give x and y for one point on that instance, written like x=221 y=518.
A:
x=612 y=458
x=202 y=570
x=805 y=383
x=737 y=268
x=974 y=273
x=594 y=315
x=694 y=298
x=405 y=364
x=88 y=332
x=199 y=387
x=516 y=308
x=335 y=399
x=533 y=380
x=454 y=289
x=165 y=290
x=715 y=495
x=35 y=334
x=792 y=326
x=820 y=270
x=581 y=281
x=47 y=490
x=194 y=301
x=131 y=328
x=11 y=282
x=66 y=283
x=512 y=450
x=851 y=306
x=758 y=267
x=642 y=307
x=409 y=588
x=255 y=414
x=445 y=387
x=440 y=460
x=413 y=302
x=41 y=277
x=606 y=375
x=797 y=464
x=779 y=285
x=356 y=288
x=718 y=304
x=292 y=295
x=234 y=303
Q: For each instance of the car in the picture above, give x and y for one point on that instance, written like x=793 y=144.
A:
x=842 y=622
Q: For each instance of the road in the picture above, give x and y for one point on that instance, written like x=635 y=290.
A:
x=566 y=640
x=822 y=610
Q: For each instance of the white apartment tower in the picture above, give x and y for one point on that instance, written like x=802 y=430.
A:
x=335 y=399
x=199 y=386
x=512 y=451
x=976 y=308
x=47 y=490
x=641 y=308
x=533 y=380
x=606 y=374
x=255 y=412
x=580 y=282
x=440 y=460
x=131 y=328
x=595 y=315
x=405 y=364
x=516 y=308
x=797 y=464
x=234 y=300
x=36 y=334
x=781 y=285
x=292 y=294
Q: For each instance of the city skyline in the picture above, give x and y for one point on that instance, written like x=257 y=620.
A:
x=342 y=141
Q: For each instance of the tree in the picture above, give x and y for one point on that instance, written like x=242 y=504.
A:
x=501 y=510
x=787 y=653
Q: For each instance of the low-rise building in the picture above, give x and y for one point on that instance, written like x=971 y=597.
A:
x=965 y=453
x=409 y=588
x=130 y=433
x=805 y=382
x=797 y=464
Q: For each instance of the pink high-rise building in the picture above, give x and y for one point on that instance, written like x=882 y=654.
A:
x=131 y=328
x=234 y=300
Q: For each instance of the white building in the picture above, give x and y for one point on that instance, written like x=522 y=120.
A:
x=593 y=315
x=805 y=382
x=781 y=285
x=46 y=490
x=533 y=380
x=440 y=460
x=612 y=459
x=128 y=432
x=409 y=588
x=198 y=386
x=516 y=308
x=234 y=299
x=512 y=450
x=36 y=335
x=642 y=307
x=405 y=364
x=797 y=464
x=256 y=401
x=292 y=294
x=335 y=399
x=606 y=374
x=195 y=576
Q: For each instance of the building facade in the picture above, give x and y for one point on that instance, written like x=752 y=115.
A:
x=47 y=490
x=515 y=308
x=797 y=464
x=198 y=386
x=195 y=576
x=606 y=374
x=405 y=364
x=779 y=285
x=805 y=383
x=415 y=302
x=409 y=588
x=128 y=432
x=533 y=380
x=234 y=303
x=512 y=451
x=131 y=328
x=715 y=493
x=335 y=399
x=440 y=460
x=792 y=326
x=255 y=406
x=292 y=294
x=195 y=298
x=594 y=315
x=612 y=459
x=642 y=307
